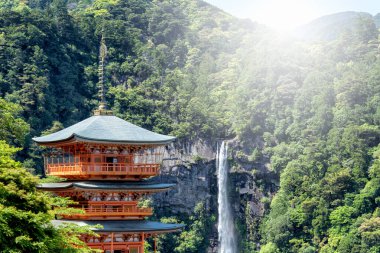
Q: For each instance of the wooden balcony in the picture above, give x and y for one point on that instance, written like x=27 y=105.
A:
x=82 y=170
x=121 y=246
x=103 y=164
x=108 y=212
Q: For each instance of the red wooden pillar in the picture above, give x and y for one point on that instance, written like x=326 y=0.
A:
x=111 y=242
x=143 y=241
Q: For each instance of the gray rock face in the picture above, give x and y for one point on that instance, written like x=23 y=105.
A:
x=191 y=166
x=194 y=183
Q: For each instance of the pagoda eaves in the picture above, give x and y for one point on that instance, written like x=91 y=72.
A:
x=106 y=129
x=145 y=186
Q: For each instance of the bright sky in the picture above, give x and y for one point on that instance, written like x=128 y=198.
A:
x=285 y=15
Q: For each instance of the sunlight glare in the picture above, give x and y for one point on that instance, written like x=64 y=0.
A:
x=283 y=15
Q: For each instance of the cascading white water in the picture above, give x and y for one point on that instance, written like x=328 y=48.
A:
x=226 y=231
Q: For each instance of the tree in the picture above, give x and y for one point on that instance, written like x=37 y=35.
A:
x=26 y=213
x=13 y=129
x=193 y=240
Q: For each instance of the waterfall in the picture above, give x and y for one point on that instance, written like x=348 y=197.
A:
x=226 y=231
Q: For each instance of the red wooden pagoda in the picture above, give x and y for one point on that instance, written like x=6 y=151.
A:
x=107 y=161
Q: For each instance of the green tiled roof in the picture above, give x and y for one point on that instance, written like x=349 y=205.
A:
x=125 y=225
x=107 y=185
x=107 y=129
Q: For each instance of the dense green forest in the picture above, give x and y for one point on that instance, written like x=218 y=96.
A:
x=308 y=109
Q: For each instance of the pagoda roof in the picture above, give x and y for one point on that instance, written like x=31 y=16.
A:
x=105 y=129
x=124 y=225
x=106 y=185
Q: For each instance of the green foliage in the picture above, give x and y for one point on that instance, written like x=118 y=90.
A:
x=370 y=233
x=269 y=248
x=144 y=203
x=342 y=217
x=193 y=240
x=55 y=128
x=26 y=213
x=45 y=67
x=12 y=128
x=320 y=143
x=194 y=237
x=168 y=242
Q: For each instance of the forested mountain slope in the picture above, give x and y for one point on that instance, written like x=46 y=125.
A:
x=330 y=27
x=306 y=112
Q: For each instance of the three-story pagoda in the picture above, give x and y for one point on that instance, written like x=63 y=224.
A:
x=107 y=161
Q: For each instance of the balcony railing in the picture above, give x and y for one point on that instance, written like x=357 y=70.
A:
x=110 y=212
x=132 y=247
x=102 y=169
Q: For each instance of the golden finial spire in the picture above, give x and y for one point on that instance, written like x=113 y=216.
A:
x=102 y=110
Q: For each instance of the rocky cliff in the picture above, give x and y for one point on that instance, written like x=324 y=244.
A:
x=194 y=174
